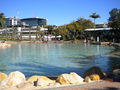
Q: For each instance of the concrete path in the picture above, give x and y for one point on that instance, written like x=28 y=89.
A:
x=102 y=85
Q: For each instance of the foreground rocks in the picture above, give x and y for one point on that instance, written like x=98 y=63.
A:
x=17 y=80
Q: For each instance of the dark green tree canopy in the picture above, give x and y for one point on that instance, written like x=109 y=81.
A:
x=114 y=19
x=94 y=15
x=2 y=20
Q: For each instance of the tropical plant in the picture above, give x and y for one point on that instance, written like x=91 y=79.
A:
x=94 y=16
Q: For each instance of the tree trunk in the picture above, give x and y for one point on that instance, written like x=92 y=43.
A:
x=29 y=35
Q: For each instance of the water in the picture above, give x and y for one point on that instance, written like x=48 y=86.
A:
x=53 y=59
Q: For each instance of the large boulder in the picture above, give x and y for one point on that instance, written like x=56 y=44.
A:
x=14 y=78
x=94 y=70
x=3 y=76
x=40 y=81
x=71 y=78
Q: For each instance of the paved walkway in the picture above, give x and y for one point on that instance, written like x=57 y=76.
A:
x=102 y=85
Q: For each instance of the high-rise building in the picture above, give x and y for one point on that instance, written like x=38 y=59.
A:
x=35 y=21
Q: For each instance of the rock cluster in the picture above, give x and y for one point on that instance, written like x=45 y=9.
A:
x=4 y=45
x=17 y=79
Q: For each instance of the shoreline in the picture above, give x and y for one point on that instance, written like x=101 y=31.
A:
x=48 y=42
x=117 y=45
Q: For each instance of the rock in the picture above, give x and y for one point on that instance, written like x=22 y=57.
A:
x=116 y=72
x=32 y=79
x=14 y=78
x=71 y=78
x=94 y=70
x=40 y=80
x=76 y=79
x=62 y=79
x=24 y=85
x=3 y=76
x=105 y=43
x=54 y=84
x=116 y=75
x=94 y=77
x=44 y=81
x=87 y=79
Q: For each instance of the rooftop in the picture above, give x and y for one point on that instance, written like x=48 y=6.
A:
x=33 y=18
x=97 y=29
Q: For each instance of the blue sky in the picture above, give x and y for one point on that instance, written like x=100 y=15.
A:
x=58 y=12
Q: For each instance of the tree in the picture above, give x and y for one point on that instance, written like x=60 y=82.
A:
x=75 y=29
x=94 y=16
x=2 y=20
x=114 y=19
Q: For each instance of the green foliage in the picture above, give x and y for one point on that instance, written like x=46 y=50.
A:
x=2 y=20
x=114 y=19
x=75 y=29
x=94 y=15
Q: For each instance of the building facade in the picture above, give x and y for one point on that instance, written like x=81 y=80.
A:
x=101 y=32
x=13 y=21
x=35 y=21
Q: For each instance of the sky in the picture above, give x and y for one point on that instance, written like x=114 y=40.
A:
x=59 y=12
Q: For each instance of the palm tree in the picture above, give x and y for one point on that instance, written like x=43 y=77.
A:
x=30 y=33
x=94 y=16
x=2 y=19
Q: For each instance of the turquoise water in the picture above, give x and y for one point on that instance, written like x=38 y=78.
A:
x=53 y=59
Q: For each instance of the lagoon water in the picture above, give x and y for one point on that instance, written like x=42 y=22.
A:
x=53 y=59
